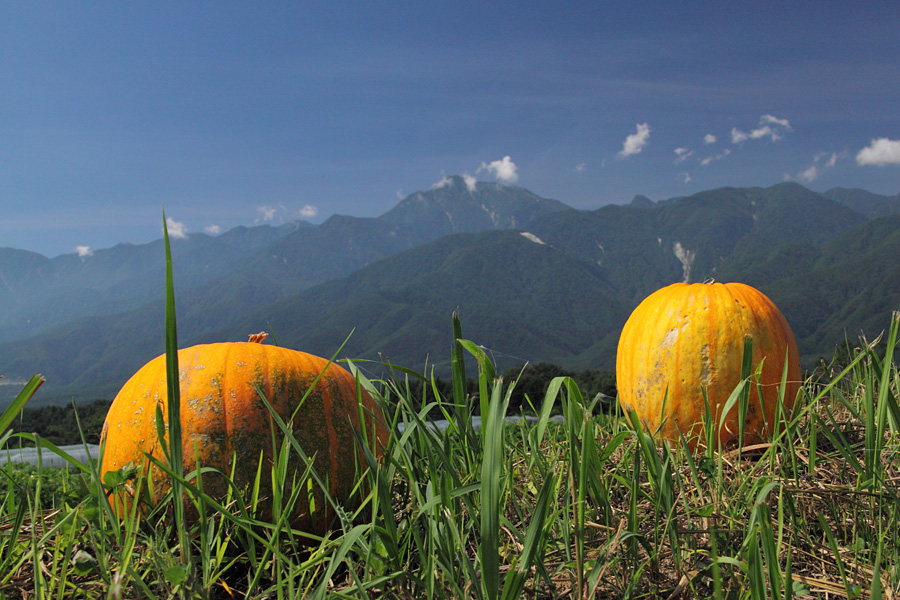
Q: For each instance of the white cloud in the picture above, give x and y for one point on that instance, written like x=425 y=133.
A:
x=834 y=158
x=504 y=170
x=709 y=139
x=400 y=195
x=881 y=151
x=719 y=156
x=444 y=182
x=581 y=167
x=769 y=126
x=819 y=166
x=308 y=212
x=635 y=142
x=737 y=136
x=765 y=131
x=469 y=180
x=267 y=212
x=686 y=176
x=177 y=229
x=811 y=174
x=84 y=251
x=212 y=229
x=682 y=154
x=769 y=119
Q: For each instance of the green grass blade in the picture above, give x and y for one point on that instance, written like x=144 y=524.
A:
x=547 y=407
x=173 y=404
x=534 y=541
x=832 y=542
x=875 y=588
x=884 y=392
x=22 y=398
x=755 y=573
x=458 y=370
x=744 y=402
x=732 y=400
x=769 y=548
x=347 y=543
x=491 y=501
x=486 y=375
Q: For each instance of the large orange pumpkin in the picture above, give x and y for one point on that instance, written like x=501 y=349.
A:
x=223 y=416
x=685 y=337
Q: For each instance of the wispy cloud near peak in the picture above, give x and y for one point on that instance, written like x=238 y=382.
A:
x=444 y=182
x=504 y=170
x=267 y=213
x=635 y=142
x=810 y=174
x=820 y=165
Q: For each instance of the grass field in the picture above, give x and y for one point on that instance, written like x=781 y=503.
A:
x=587 y=508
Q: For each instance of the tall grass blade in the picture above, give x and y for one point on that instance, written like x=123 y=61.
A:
x=755 y=572
x=382 y=486
x=744 y=402
x=21 y=399
x=875 y=588
x=535 y=539
x=461 y=404
x=458 y=374
x=884 y=393
x=767 y=539
x=832 y=542
x=486 y=375
x=491 y=501
x=173 y=404
x=347 y=543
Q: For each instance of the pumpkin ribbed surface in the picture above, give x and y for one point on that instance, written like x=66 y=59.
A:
x=685 y=337
x=224 y=422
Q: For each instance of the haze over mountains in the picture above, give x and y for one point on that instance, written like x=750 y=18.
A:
x=534 y=280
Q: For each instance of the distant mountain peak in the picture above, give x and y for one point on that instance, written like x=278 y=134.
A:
x=459 y=203
x=641 y=201
x=791 y=187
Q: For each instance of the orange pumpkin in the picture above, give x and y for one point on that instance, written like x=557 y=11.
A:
x=685 y=337
x=224 y=418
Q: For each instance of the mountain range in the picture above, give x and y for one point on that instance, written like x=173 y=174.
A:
x=533 y=279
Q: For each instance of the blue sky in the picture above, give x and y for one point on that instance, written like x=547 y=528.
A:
x=238 y=114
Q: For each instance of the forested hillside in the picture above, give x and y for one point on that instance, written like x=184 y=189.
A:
x=533 y=280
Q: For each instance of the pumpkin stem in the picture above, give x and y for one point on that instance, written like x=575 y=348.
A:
x=258 y=338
